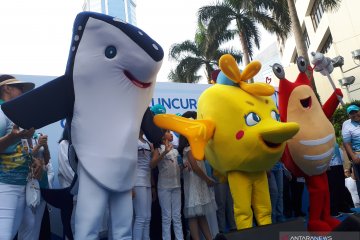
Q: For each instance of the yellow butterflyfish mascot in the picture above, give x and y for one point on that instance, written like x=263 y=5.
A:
x=238 y=130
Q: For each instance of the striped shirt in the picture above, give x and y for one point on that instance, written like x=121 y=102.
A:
x=13 y=162
x=351 y=134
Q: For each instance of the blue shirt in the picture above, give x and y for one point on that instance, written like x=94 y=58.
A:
x=277 y=167
x=351 y=134
x=337 y=159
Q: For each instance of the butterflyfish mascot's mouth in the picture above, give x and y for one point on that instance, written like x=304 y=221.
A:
x=238 y=130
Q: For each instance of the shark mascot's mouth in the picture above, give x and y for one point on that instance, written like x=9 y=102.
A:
x=135 y=81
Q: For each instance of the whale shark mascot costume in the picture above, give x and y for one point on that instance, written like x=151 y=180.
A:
x=104 y=93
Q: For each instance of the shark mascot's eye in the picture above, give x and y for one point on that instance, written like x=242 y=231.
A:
x=301 y=64
x=110 y=52
x=278 y=71
x=252 y=119
x=275 y=115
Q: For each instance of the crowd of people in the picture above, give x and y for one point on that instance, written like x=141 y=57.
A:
x=174 y=196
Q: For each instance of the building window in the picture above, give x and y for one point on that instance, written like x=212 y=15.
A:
x=306 y=38
x=328 y=42
x=316 y=14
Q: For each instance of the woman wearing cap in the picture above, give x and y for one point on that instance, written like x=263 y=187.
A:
x=14 y=162
x=351 y=138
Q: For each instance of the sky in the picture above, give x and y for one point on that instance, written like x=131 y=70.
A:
x=35 y=34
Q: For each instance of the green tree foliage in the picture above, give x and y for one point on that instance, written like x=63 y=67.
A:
x=204 y=51
x=247 y=16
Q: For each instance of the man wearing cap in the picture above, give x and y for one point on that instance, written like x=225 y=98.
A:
x=351 y=139
x=14 y=162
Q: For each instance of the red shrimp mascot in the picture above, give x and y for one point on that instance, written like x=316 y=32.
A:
x=309 y=152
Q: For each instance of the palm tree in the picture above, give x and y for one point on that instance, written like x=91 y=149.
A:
x=247 y=16
x=297 y=30
x=204 y=51
x=182 y=76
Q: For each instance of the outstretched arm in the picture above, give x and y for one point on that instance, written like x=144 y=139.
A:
x=331 y=104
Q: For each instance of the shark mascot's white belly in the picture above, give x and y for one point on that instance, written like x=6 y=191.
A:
x=106 y=89
x=109 y=105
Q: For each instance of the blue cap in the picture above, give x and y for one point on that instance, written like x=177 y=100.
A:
x=352 y=108
x=223 y=79
x=158 y=109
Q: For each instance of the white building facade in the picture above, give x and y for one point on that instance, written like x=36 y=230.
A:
x=335 y=33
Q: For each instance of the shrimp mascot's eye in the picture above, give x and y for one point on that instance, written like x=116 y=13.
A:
x=301 y=64
x=278 y=71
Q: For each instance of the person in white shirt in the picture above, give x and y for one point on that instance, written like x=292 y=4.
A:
x=142 y=199
x=350 y=183
x=169 y=188
x=66 y=175
x=65 y=171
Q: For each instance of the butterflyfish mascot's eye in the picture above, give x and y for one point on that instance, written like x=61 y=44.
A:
x=309 y=152
x=104 y=93
x=239 y=132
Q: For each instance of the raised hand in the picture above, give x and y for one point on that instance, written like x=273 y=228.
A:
x=17 y=133
x=43 y=139
x=168 y=146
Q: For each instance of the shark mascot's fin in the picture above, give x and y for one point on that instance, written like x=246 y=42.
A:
x=44 y=105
